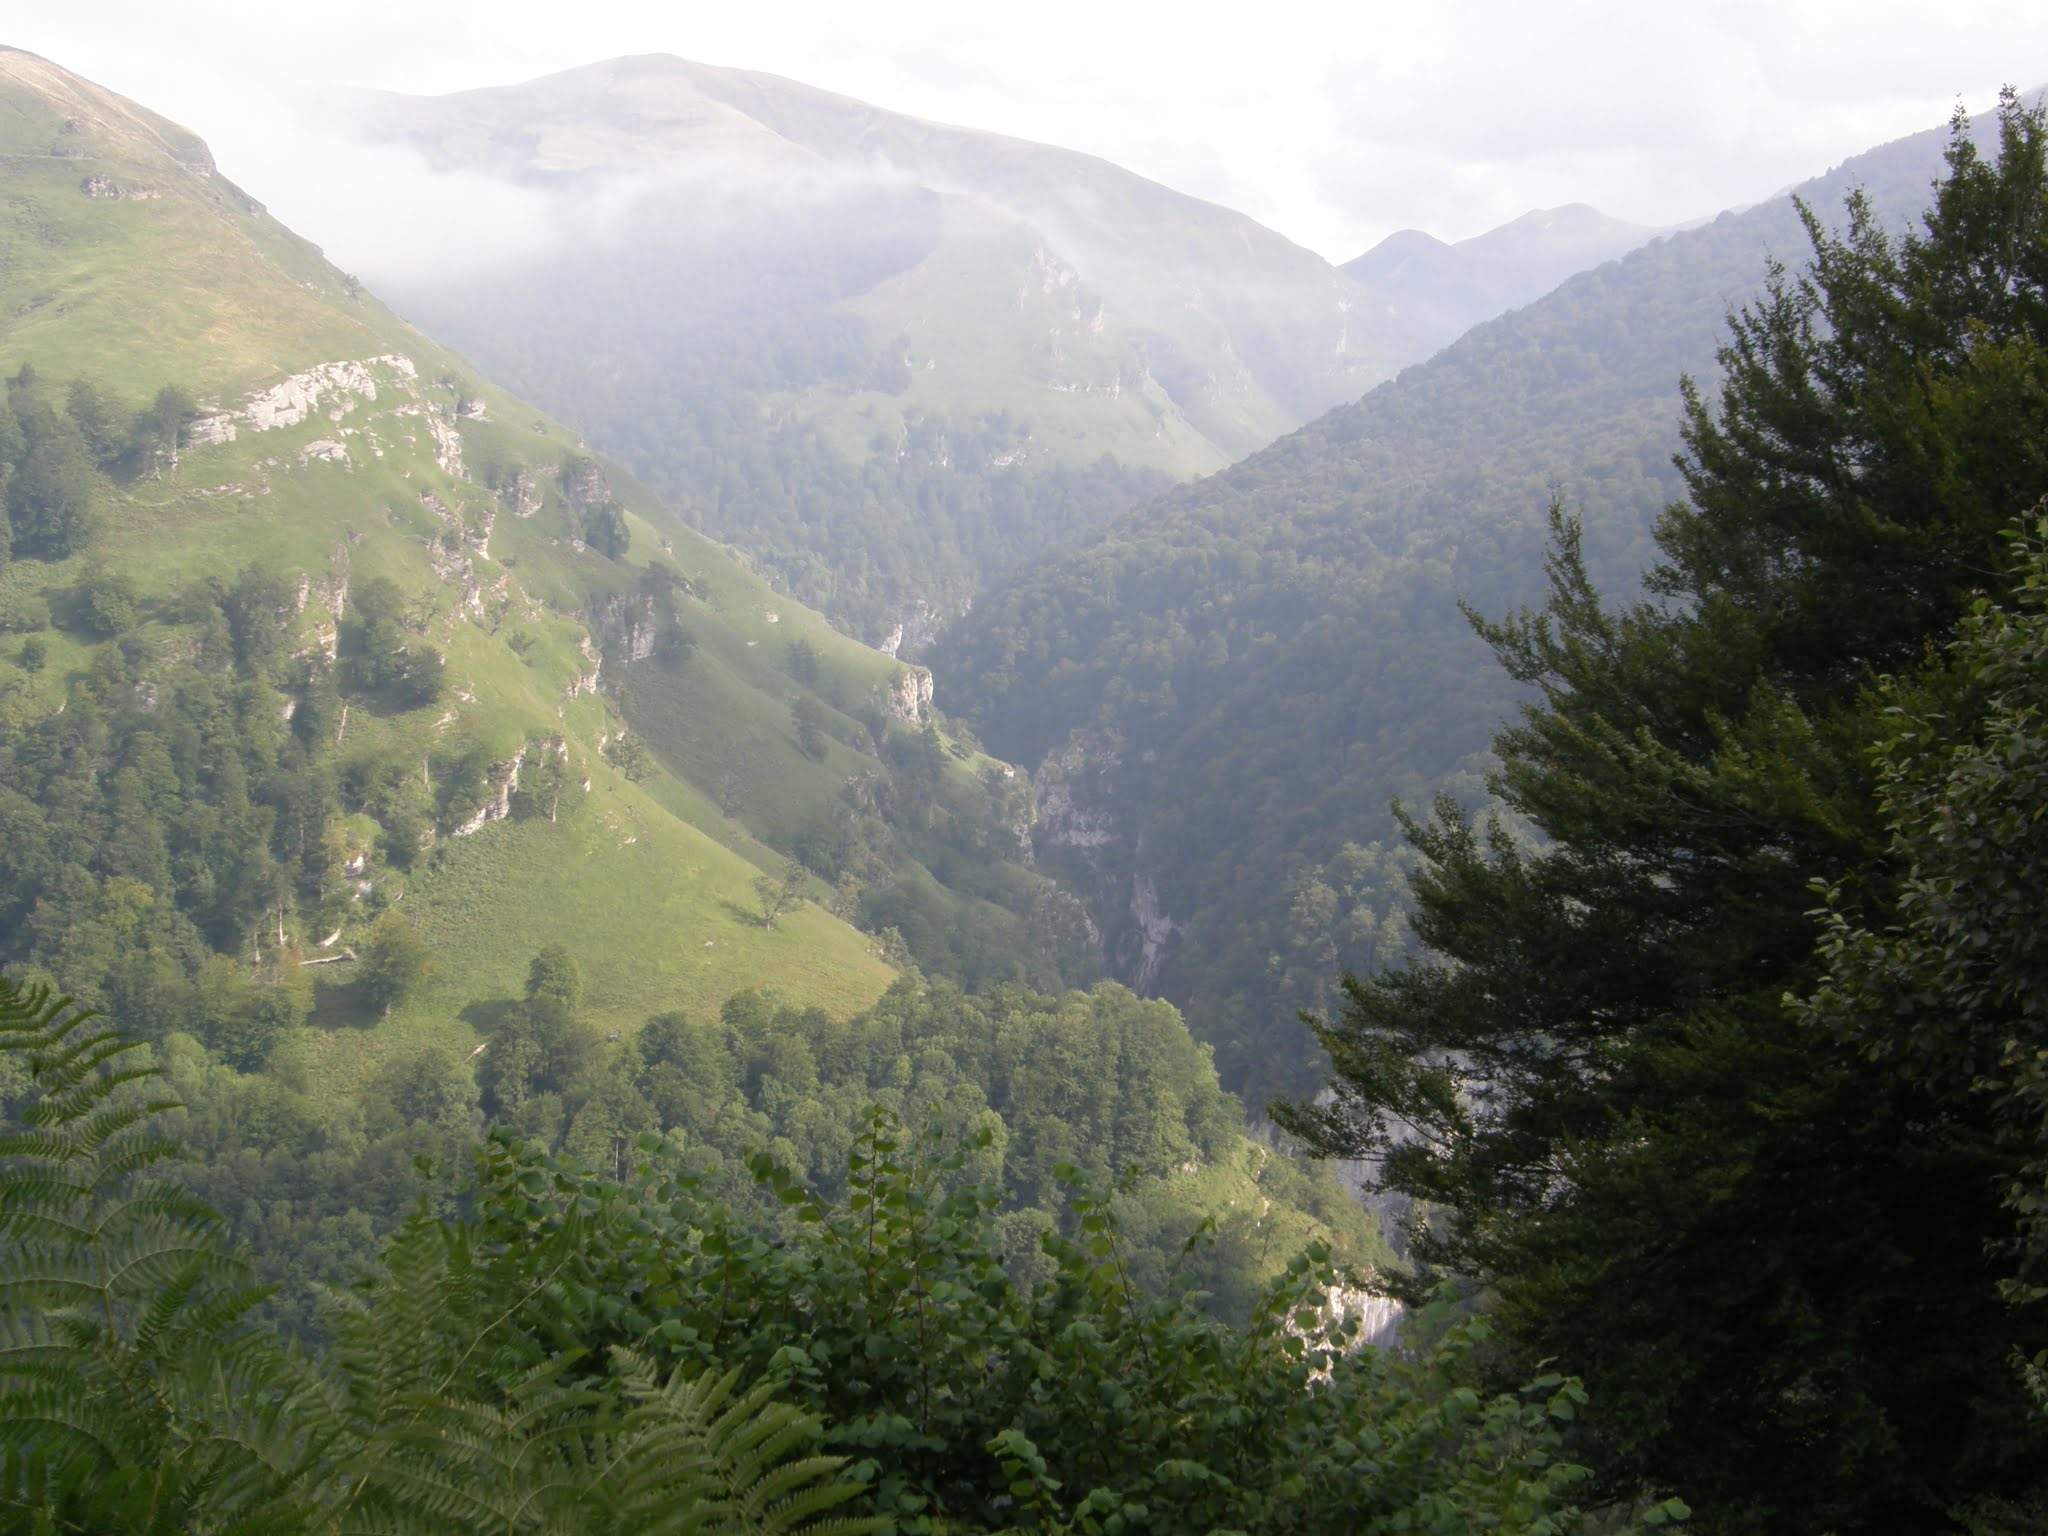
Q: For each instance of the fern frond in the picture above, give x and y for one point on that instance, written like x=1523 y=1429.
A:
x=72 y=1104
x=704 y=1460
x=130 y=1398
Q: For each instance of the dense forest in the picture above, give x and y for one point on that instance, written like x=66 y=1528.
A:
x=1233 y=684
x=508 y=1022
x=1100 y=1081
x=1734 y=1079
x=178 y=835
x=571 y=1349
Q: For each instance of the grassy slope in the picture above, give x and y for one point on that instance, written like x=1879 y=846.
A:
x=1006 y=326
x=650 y=885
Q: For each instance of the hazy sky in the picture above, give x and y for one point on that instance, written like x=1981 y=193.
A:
x=1334 y=124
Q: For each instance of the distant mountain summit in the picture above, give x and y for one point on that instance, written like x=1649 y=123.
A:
x=1120 y=313
x=1220 y=695
x=893 y=359
x=887 y=356
x=1442 y=290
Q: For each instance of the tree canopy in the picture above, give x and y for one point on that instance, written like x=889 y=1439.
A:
x=1721 y=1215
x=575 y=1353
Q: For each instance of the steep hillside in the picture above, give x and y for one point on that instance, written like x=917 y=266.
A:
x=1442 y=290
x=330 y=450
x=1222 y=694
x=891 y=356
x=392 y=765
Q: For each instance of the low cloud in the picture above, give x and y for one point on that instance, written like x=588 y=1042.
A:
x=1332 y=125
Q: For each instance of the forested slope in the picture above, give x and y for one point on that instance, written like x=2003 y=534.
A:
x=891 y=357
x=1739 y=1061
x=1443 y=289
x=348 y=707
x=1223 y=693
x=432 y=595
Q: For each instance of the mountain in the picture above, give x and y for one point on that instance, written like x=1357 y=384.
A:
x=890 y=357
x=1220 y=695
x=1442 y=290
x=391 y=764
x=468 y=604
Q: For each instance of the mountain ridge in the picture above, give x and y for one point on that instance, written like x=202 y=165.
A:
x=893 y=301
x=1223 y=690
x=1447 y=287
x=328 y=443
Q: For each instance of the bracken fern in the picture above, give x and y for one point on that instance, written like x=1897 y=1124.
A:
x=134 y=1394
x=139 y=1394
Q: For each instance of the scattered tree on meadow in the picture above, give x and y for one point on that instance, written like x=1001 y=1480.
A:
x=780 y=894
x=391 y=961
x=387 y=660
x=807 y=715
x=605 y=530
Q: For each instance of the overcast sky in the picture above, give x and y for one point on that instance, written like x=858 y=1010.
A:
x=1334 y=124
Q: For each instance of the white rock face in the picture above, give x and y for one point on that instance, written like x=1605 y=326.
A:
x=586 y=681
x=100 y=186
x=1379 y=1317
x=498 y=803
x=1155 y=927
x=334 y=590
x=917 y=629
x=521 y=494
x=1064 y=821
x=449 y=554
x=910 y=700
x=640 y=640
x=293 y=400
x=326 y=450
x=447 y=444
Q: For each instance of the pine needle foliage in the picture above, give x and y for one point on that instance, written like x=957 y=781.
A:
x=1723 y=1219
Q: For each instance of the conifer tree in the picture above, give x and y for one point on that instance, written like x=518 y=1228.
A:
x=1766 y=1251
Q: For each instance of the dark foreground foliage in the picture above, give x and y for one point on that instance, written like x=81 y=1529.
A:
x=580 y=1354
x=1796 y=1244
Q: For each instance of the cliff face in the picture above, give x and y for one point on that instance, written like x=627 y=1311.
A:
x=1285 y=636
x=909 y=698
x=1081 y=833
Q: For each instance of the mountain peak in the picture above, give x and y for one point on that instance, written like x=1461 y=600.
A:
x=1449 y=288
x=1127 y=308
x=1402 y=243
x=65 y=115
x=1564 y=231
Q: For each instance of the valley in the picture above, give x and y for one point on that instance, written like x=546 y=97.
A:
x=489 y=698
x=850 y=824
